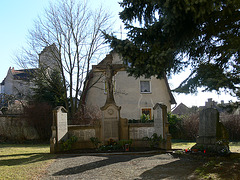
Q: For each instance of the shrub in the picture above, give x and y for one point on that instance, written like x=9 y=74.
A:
x=175 y=127
x=144 y=118
x=232 y=124
x=190 y=126
x=184 y=127
x=154 y=141
x=111 y=145
x=67 y=145
x=95 y=141
x=40 y=116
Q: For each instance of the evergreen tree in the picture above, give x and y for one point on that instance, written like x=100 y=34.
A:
x=174 y=34
x=49 y=88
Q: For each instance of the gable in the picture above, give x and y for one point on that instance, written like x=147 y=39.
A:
x=127 y=90
x=181 y=109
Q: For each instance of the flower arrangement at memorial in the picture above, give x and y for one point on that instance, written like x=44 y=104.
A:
x=112 y=145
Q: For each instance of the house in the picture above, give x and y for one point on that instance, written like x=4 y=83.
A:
x=135 y=96
x=19 y=83
x=181 y=109
x=230 y=107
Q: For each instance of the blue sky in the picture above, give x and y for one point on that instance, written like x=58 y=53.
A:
x=17 y=16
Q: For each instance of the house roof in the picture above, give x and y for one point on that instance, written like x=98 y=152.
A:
x=181 y=109
x=172 y=99
x=3 y=82
x=23 y=74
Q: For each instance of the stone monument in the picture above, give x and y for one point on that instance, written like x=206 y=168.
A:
x=212 y=134
x=110 y=111
x=59 y=128
x=161 y=124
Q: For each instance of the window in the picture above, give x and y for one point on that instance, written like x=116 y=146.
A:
x=147 y=112
x=145 y=87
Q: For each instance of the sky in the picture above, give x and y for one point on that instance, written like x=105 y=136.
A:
x=17 y=18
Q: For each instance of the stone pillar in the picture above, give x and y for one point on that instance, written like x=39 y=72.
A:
x=110 y=122
x=59 y=128
x=124 y=129
x=98 y=130
x=161 y=124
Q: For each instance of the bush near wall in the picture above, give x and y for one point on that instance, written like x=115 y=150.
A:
x=40 y=116
x=175 y=128
x=183 y=127
x=190 y=126
x=232 y=124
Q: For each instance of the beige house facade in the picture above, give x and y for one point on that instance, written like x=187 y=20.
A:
x=135 y=96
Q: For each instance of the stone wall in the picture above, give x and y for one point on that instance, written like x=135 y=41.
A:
x=138 y=131
x=83 y=133
x=13 y=127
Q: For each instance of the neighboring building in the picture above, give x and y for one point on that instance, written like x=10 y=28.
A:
x=18 y=82
x=213 y=104
x=230 y=108
x=181 y=109
x=135 y=96
x=49 y=58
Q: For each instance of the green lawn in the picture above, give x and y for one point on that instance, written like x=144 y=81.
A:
x=24 y=161
x=182 y=145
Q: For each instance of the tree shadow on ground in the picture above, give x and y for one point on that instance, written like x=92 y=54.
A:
x=196 y=167
x=111 y=159
x=19 y=159
x=179 y=169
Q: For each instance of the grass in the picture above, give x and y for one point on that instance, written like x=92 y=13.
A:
x=234 y=147
x=182 y=145
x=24 y=161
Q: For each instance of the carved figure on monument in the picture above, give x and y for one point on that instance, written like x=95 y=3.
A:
x=109 y=70
x=109 y=76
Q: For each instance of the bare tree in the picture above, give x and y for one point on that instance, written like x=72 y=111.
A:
x=74 y=34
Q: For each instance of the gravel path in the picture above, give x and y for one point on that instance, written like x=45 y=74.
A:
x=127 y=167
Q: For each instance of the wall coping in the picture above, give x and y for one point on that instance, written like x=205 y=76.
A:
x=141 y=124
x=72 y=127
